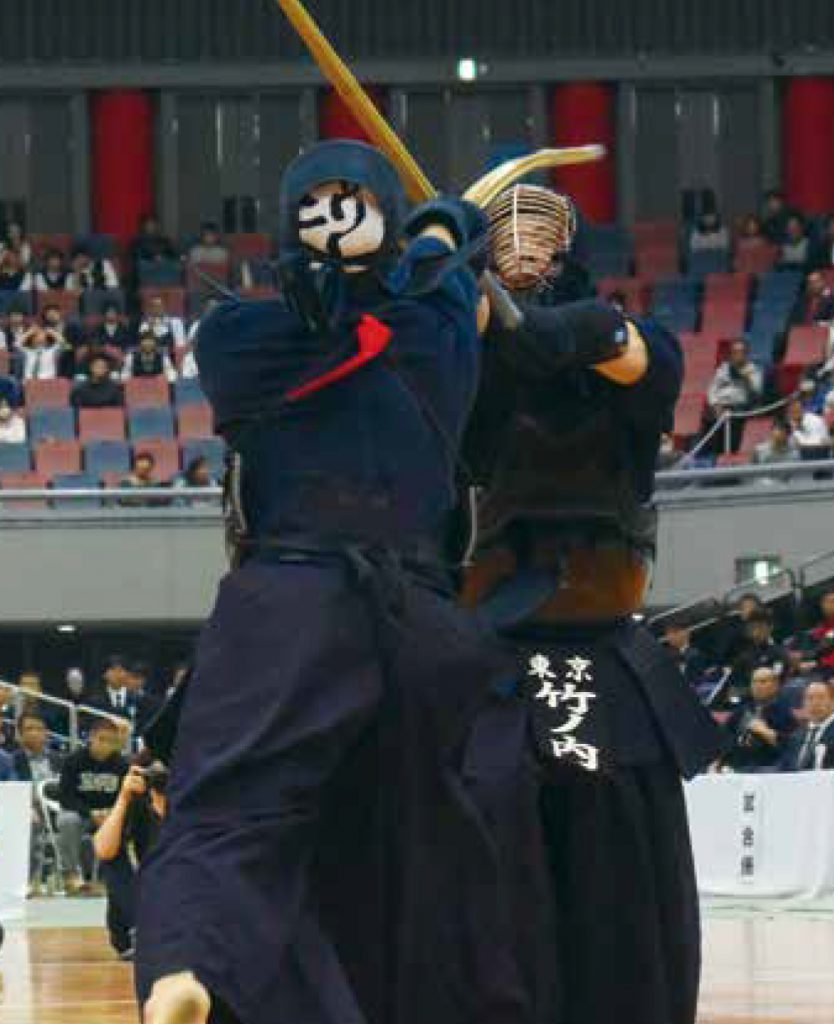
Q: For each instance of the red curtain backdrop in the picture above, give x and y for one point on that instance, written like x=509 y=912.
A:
x=808 y=140
x=585 y=112
x=336 y=121
x=122 y=161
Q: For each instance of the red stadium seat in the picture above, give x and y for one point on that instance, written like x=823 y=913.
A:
x=47 y=394
x=756 y=432
x=167 y=456
x=53 y=458
x=724 y=317
x=173 y=298
x=688 y=417
x=24 y=482
x=250 y=246
x=635 y=289
x=101 y=424
x=41 y=244
x=702 y=346
x=67 y=302
x=657 y=260
x=195 y=422
x=727 y=286
x=698 y=376
x=653 y=232
x=147 y=392
x=806 y=347
x=755 y=256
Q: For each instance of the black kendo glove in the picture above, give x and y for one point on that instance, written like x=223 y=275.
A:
x=576 y=334
x=466 y=223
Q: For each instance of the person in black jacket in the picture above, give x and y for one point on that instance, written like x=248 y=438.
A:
x=812 y=747
x=99 y=391
x=759 y=727
x=89 y=786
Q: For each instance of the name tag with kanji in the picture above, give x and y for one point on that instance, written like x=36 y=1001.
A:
x=563 y=697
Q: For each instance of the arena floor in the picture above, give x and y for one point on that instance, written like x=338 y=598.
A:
x=762 y=966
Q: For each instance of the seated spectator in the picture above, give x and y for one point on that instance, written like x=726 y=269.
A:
x=151 y=245
x=781 y=447
x=75 y=686
x=17 y=325
x=210 y=248
x=751 y=229
x=211 y=303
x=15 y=240
x=90 y=781
x=808 y=430
x=124 y=839
x=143 y=476
x=812 y=747
x=691 y=661
x=12 y=275
x=53 y=276
x=99 y=391
x=89 y=274
x=822 y=255
x=12 y=425
x=819 y=646
x=112 y=332
x=42 y=351
x=760 y=727
x=737 y=386
x=709 y=235
x=757 y=649
x=796 y=248
x=819 y=299
x=197 y=474
x=169 y=331
x=149 y=360
x=775 y=217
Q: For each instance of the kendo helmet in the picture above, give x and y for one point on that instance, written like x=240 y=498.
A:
x=341 y=203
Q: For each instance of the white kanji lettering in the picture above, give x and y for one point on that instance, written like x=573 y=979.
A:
x=583 y=753
x=572 y=724
x=579 y=669
x=540 y=667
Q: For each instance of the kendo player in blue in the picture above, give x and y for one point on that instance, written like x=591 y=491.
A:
x=562 y=446
x=336 y=681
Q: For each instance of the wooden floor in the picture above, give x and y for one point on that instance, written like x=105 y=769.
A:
x=757 y=970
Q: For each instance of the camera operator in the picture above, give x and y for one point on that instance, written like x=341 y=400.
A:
x=123 y=841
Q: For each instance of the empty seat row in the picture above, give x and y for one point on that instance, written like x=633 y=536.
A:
x=112 y=424
x=109 y=457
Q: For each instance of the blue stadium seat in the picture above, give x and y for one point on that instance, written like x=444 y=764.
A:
x=51 y=425
x=94 y=301
x=161 y=274
x=102 y=457
x=15 y=458
x=678 y=321
x=211 y=448
x=77 y=481
x=99 y=246
x=151 y=424
x=188 y=392
x=779 y=282
x=708 y=262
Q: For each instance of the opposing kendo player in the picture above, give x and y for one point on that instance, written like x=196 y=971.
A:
x=562 y=446
x=337 y=678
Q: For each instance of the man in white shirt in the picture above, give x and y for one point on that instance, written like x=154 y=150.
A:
x=813 y=747
x=808 y=429
x=169 y=331
x=91 y=275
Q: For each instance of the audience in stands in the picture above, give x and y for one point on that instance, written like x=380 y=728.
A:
x=197 y=474
x=212 y=302
x=691 y=661
x=54 y=274
x=144 y=477
x=34 y=762
x=12 y=273
x=152 y=245
x=149 y=360
x=819 y=299
x=90 y=274
x=760 y=726
x=775 y=217
x=42 y=350
x=780 y=447
x=15 y=330
x=15 y=241
x=812 y=747
x=819 y=645
x=737 y=386
x=90 y=781
x=210 y=248
x=112 y=332
x=99 y=390
x=65 y=332
x=169 y=331
x=12 y=425
x=795 y=253
x=808 y=430
x=709 y=234
x=756 y=648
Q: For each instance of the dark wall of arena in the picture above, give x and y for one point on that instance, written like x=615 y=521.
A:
x=240 y=30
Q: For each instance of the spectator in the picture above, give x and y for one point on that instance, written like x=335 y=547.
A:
x=775 y=217
x=12 y=274
x=53 y=320
x=17 y=327
x=820 y=640
x=737 y=386
x=99 y=391
x=33 y=762
x=89 y=786
x=197 y=474
x=8 y=737
x=824 y=249
x=758 y=649
x=691 y=662
x=781 y=447
x=796 y=248
x=12 y=425
x=75 y=685
x=169 y=331
x=760 y=726
x=112 y=332
x=813 y=746
x=117 y=695
x=14 y=240
x=210 y=247
x=211 y=303
x=42 y=351
x=808 y=430
x=751 y=229
x=146 y=702
x=143 y=476
x=89 y=274
x=819 y=299
x=122 y=842
x=54 y=275
x=709 y=234
x=149 y=360
x=151 y=245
